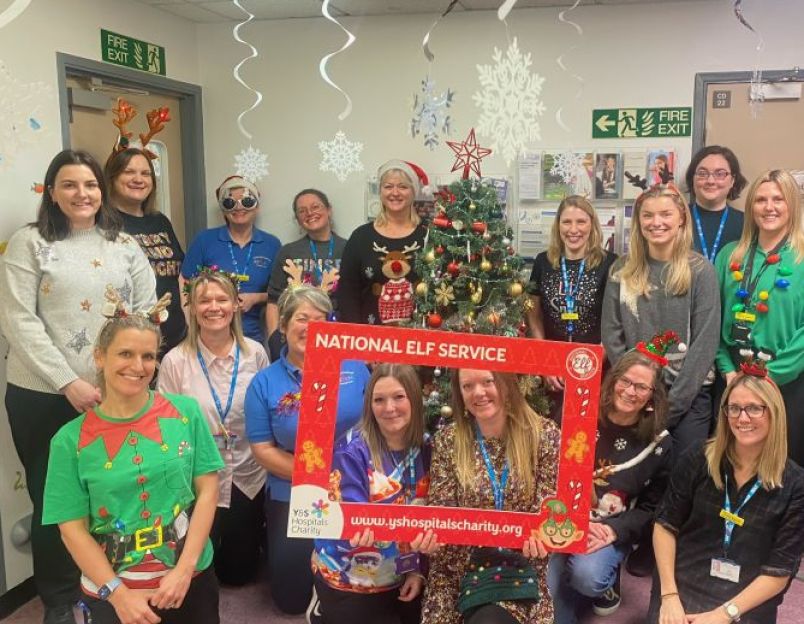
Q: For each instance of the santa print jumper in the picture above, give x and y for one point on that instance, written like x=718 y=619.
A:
x=52 y=299
x=645 y=482
x=629 y=318
x=372 y=569
x=365 y=294
x=546 y=282
x=158 y=241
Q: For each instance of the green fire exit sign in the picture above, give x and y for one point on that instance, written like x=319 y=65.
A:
x=613 y=123
x=130 y=52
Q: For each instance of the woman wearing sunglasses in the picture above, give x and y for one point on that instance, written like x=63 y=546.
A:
x=238 y=247
x=728 y=531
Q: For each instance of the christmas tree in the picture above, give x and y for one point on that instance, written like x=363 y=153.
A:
x=471 y=281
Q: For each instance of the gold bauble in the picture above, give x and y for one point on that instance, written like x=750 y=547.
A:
x=421 y=289
x=429 y=257
x=515 y=289
x=476 y=296
x=446 y=411
x=485 y=265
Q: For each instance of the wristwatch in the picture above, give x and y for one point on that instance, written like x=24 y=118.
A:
x=105 y=591
x=733 y=611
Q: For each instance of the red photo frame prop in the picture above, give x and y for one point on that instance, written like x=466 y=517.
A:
x=563 y=520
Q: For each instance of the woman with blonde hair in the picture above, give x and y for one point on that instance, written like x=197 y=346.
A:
x=497 y=454
x=728 y=531
x=383 y=460
x=215 y=364
x=662 y=285
x=762 y=293
x=567 y=283
x=377 y=278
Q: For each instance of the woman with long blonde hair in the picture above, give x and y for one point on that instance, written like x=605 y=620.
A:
x=497 y=454
x=762 y=293
x=728 y=531
x=660 y=285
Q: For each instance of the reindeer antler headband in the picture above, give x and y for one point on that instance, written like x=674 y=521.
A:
x=124 y=113
x=206 y=272
x=115 y=307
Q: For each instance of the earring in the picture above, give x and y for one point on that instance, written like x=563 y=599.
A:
x=649 y=407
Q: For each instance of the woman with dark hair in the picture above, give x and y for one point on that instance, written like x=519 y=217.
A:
x=633 y=458
x=728 y=532
x=382 y=460
x=567 y=283
x=496 y=454
x=314 y=259
x=132 y=484
x=131 y=179
x=713 y=178
x=377 y=277
x=54 y=277
x=761 y=278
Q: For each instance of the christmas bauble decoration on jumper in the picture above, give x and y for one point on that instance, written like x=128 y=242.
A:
x=421 y=289
x=434 y=320
x=454 y=269
x=485 y=265
x=515 y=289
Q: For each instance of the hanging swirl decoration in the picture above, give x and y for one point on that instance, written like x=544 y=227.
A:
x=505 y=9
x=322 y=66
x=236 y=70
x=426 y=41
x=756 y=96
x=13 y=11
x=560 y=63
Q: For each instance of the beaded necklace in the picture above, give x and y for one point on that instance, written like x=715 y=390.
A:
x=746 y=301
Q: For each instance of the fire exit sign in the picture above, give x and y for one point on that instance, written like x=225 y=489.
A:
x=613 y=123
x=130 y=52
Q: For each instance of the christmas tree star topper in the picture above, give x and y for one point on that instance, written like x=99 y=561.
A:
x=468 y=154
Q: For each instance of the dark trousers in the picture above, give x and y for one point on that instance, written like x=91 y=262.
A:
x=488 y=614
x=289 y=572
x=695 y=425
x=34 y=418
x=237 y=536
x=381 y=608
x=200 y=605
x=793 y=396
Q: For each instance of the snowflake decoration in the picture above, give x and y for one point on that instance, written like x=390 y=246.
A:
x=251 y=164
x=620 y=444
x=430 y=115
x=340 y=156
x=509 y=101
x=20 y=103
x=566 y=166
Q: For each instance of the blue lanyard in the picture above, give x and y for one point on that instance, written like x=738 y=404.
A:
x=729 y=525
x=319 y=273
x=222 y=413
x=570 y=295
x=242 y=277
x=497 y=485
x=723 y=218
x=410 y=463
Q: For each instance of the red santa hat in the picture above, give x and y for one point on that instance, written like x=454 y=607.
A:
x=417 y=175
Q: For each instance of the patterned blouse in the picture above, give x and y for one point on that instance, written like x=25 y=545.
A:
x=448 y=564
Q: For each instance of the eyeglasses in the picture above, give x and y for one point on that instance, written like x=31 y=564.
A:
x=639 y=388
x=718 y=174
x=314 y=209
x=752 y=410
x=247 y=202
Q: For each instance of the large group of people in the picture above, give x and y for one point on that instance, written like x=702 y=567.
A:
x=154 y=400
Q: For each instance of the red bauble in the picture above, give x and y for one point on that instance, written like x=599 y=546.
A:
x=442 y=221
x=734 y=266
x=439 y=250
x=511 y=251
x=454 y=269
x=762 y=307
x=479 y=227
x=434 y=320
x=773 y=258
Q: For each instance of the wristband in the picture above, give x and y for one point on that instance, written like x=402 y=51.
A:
x=668 y=594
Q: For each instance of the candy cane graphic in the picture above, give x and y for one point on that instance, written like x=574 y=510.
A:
x=583 y=393
x=321 y=390
x=576 y=489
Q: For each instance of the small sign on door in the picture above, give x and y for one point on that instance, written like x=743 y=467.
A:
x=721 y=99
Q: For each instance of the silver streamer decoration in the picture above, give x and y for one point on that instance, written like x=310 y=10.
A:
x=13 y=11
x=505 y=9
x=322 y=66
x=755 y=95
x=426 y=41
x=236 y=71
x=560 y=63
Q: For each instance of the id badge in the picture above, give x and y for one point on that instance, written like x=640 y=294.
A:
x=741 y=334
x=225 y=443
x=569 y=316
x=242 y=277
x=409 y=562
x=725 y=569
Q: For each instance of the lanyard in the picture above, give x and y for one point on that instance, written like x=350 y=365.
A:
x=748 y=285
x=497 y=485
x=222 y=413
x=716 y=244
x=242 y=277
x=729 y=524
x=570 y=295
x=410 y=463
x=319 y=273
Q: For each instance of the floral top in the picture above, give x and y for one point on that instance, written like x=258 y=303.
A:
x=448 y=565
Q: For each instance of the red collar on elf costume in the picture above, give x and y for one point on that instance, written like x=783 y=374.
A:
x=656 y=349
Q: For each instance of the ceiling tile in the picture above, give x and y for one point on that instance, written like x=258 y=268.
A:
x=193 y=13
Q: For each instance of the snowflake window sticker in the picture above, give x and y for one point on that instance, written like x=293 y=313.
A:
x=251 y=164
x=567 y=165
x=431 y=116
x=509 y=102
x=340 y=156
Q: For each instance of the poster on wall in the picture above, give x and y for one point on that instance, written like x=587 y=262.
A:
x=661 y=166
x=608 y=175
x=567 y=173
x=633 y=165
x=530 y=176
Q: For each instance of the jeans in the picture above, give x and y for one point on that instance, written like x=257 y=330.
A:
x=576 y=579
